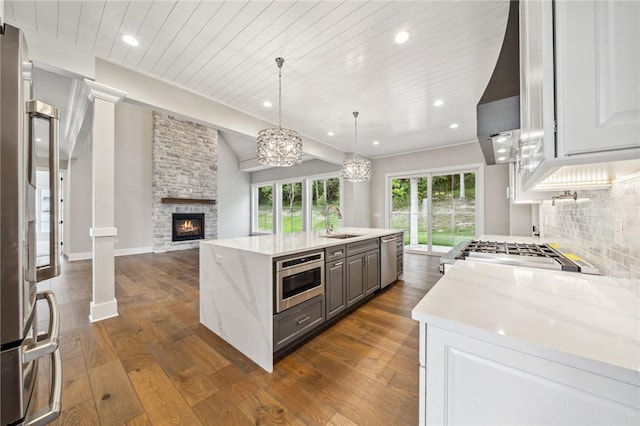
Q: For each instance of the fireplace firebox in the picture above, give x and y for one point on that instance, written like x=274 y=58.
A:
x=187 y=226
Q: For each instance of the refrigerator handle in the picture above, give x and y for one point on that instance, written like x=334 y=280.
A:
x=47 y=343
x=39 y=110
x=50 y=412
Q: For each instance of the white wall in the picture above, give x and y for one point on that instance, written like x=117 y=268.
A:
x=133 y=145
x=496 y=180
x=78 y=198
x=307 y=168
x=234 y=194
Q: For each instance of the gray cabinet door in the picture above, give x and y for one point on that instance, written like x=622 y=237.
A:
x=372 y=271
x=355 y=279
x=335 y=288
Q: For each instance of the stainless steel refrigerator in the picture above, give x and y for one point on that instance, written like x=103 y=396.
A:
x=29 y=131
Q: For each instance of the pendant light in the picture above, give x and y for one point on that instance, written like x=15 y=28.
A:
x=357 y=169
x=279 y=147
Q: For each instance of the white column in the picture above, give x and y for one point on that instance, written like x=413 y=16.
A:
x=462 y=196
x=413 y=216
x=103 y=231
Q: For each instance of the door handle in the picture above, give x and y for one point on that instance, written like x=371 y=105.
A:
x=49 y=413
x=47 y=343
x=38 y=110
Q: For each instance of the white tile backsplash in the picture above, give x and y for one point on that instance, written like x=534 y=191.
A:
x=602 y=226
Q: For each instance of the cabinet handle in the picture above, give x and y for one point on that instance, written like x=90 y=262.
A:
x=303 y=320
x=337 y=253
x=337 y=264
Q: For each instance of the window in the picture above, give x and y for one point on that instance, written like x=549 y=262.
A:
x=291 y=208
x=324 y=194
x=264 y=209
x=436 y=209
x=285 y=206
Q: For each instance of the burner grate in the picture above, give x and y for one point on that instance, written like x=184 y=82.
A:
x=524 y=250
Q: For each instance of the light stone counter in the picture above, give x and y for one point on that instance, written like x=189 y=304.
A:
x=284 y=244
x=584 y=321
x=236 y=284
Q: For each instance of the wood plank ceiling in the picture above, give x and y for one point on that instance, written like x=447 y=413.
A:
x=339 y=57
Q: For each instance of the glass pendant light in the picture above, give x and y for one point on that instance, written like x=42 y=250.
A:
x=356 y=169
x=279 y=147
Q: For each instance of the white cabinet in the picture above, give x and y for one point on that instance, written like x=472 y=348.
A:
x=585 y=82
x=471 y=381
x=598 y=76
x=536 y=86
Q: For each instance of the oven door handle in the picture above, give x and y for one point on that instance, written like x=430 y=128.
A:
x=47 y=414
x=47 y=343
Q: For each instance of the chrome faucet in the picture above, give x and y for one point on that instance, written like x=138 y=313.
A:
x=329 y=225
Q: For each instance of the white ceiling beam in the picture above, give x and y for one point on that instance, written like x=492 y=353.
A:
x=151 y=91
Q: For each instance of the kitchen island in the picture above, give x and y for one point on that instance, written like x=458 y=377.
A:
x=237 y=283
x=504 y=344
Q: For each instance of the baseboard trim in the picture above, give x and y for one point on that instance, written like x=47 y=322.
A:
x=80 y=256
x=134 y=250
x=120 y=252
x=103 y=311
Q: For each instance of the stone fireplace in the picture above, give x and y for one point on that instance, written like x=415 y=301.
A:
x=185 y=182
x=187 y=226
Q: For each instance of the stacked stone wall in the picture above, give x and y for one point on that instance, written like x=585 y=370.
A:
x=185 y=165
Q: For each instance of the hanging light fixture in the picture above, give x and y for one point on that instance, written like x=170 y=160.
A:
x=279 y=147
x=357 y=169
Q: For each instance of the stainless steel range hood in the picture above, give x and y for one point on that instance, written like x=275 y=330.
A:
x=498 y=112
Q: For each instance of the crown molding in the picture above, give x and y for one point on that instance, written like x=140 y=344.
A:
x=100 y=91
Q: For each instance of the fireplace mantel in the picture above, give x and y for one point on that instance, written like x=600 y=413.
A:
x=188 y=201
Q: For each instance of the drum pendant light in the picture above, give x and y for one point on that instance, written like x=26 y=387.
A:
x=279 y=147
x=356 y=169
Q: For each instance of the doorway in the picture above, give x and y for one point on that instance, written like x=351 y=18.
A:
x=436 y=209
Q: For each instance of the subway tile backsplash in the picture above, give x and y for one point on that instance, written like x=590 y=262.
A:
x=602 y=226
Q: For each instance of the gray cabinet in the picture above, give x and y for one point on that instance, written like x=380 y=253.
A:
x=335 y=289
x=355 y=279
x=295 y=322
x=371 y=276
x=363 y=270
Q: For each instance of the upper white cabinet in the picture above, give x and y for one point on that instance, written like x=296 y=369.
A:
x=598 y=76
x=536 y=85
x=585 y=82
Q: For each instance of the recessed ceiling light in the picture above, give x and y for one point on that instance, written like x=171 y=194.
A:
x=130 y=40
x=376 y=142
x=330 y=133
x=438 y=102
x=453 y=125
x=402 y=37
x=38 y=140
x=502 y=150
x=502 y=158
x=501 y=139
x=267 y=104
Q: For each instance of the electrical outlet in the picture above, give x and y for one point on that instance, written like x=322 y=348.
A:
x=218 y=259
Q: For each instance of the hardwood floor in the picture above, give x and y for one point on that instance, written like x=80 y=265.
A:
x=156 y=364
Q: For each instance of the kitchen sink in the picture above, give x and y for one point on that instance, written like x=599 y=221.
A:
x=342 y=236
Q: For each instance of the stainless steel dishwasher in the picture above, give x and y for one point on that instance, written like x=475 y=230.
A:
x=388 y=260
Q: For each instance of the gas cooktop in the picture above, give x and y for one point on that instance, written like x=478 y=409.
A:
x=524 y=254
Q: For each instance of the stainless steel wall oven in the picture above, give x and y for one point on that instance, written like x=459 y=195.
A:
x=298 y=279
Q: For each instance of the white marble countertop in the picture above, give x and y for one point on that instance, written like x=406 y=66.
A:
x=585 y=321
x=283 y=244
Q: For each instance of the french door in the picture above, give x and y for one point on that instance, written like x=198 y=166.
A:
x=435 y=210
